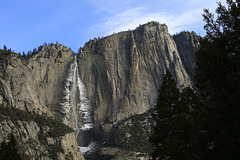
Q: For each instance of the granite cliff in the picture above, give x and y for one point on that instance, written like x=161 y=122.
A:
x=35 y=86
x=124 y=71
x=187 y=43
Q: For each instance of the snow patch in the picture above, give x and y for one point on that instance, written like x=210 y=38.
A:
x=87 y=148
x=75 y=106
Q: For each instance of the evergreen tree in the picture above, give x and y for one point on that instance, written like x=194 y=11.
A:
x=34 y=51
x=218 y=82
x=173 y=115
x=4 y=47
x=164 y=116
x=190 y=113
x=24 y=55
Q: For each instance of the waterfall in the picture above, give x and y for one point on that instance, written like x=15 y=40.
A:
x=75 y=108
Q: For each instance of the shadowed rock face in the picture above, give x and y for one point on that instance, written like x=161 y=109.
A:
x=187 y=44
x=124 y=71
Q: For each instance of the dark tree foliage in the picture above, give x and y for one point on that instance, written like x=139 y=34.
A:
x=4 y=48
x=164 y=116
x=4 y=53
x=194 y=116
x=56 y=127
x=218 y=82
x=173 y=115
x=9 y=151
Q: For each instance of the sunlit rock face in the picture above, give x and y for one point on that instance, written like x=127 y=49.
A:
x=50 y=69
x=36 y=85
x=123 y=72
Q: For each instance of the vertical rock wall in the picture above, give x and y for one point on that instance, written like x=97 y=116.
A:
x=124 y=71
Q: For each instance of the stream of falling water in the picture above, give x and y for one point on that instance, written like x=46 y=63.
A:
x=77 y=113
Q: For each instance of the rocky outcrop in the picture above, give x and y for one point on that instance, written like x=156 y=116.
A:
x=50 y=69
x=124 y=71
x=36 y=85
x=132 y=133
x=18 y=87
x=31 y=143
x=129 y=138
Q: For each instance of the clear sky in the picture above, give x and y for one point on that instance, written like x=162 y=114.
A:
x=27 y=24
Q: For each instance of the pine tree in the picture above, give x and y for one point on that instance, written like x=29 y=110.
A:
x=164 y=116
x=4 y=47
x=176 y=134
x=189 y=110
x=173 y=134
x=218 y=82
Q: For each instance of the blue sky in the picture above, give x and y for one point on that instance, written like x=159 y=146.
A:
x=27 y=24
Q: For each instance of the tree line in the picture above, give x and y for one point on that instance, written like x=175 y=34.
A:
x=6 y=52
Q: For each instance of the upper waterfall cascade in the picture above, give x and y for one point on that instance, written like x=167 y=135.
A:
x=77 y=113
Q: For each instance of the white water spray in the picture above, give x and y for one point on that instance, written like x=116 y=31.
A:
x=77 y=113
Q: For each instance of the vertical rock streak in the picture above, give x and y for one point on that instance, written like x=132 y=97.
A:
x=75 y=108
